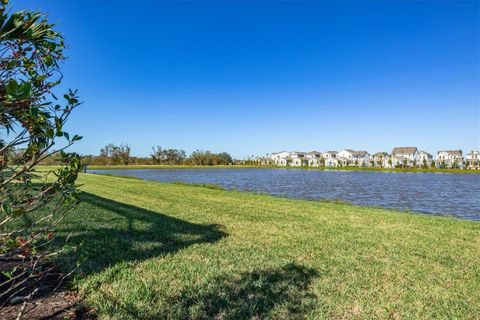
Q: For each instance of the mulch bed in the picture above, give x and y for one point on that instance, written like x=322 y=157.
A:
x=45 y=304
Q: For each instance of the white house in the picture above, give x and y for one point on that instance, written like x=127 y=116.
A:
x=280 y=158
x=400 y=157
x=407 y=152
x=362 y=158
x=346 y=153
x=473 y=159
x=329 y=158
x=336 y=162
x=297 y=159
x=424 y=158
x=404 y=157
x=379 y=159
x=329 y=154
x=314 y=158
x=399 y=161
x=355 y=158
x=450 y=158
x=287 y=158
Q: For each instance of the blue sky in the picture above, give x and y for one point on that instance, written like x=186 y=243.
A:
x=257 y=77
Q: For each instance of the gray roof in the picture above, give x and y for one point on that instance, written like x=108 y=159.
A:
x=425 y=152
x=404 y=150
x=453 y=152
x=360 y=153
x=357 y=153
x=382 y=154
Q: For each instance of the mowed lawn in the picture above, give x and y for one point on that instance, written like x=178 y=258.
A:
x=170 y=251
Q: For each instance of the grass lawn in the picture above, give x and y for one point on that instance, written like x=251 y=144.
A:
x=171 y=251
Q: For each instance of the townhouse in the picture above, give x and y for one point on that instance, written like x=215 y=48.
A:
x=379 y=159
x=355 y=158
x=330 y=158
x=280 y=158
x=449 y=159
x=400 y=157
x=403 y=157
x=472 y=160
x=314 y=159
x=297 y=159
x=425 y=159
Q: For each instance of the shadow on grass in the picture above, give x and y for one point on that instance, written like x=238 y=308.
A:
x=280 y=293
x=111 y=232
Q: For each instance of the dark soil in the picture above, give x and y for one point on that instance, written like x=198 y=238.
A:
x=47 y=303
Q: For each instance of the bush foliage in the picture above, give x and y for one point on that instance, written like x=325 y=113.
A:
x=32 y=121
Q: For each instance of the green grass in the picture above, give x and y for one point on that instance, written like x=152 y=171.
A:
x=173 y=251
x=121 y=167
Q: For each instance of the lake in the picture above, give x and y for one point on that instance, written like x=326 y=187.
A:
x=430 y=193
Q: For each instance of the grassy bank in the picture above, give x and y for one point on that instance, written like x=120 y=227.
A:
x=171 y=251
x=120 y=167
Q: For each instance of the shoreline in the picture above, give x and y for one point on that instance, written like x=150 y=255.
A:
x=326 y=201
x=166 y=167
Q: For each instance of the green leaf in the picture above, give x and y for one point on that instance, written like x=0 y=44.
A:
x=11 y=87
x=49 y=133
x=6 y=208
x=48 y=60
x=58 y=127
x=34 y=112
x=76 y=138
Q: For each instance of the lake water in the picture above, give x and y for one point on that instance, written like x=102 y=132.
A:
x=431 y=193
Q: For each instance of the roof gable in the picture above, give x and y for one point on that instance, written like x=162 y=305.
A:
x=404 y=150
x=451 y=152
x=425 y=152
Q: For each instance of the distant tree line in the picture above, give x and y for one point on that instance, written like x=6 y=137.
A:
x=113 y=154
x=208 y=158
x=167 y=156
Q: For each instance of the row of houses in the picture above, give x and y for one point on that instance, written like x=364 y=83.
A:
x=400 y=157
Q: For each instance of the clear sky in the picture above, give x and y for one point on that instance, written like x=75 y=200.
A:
x=256 y=77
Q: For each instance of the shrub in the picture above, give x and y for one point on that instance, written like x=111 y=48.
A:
x=32 y=119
